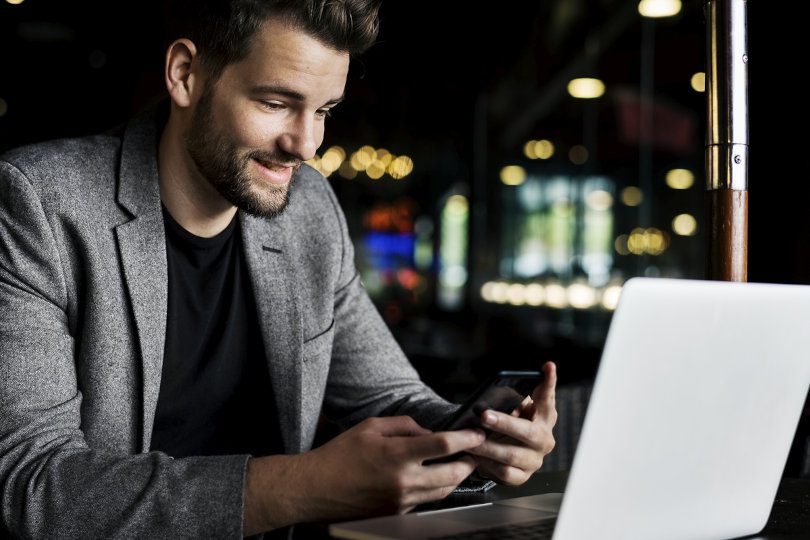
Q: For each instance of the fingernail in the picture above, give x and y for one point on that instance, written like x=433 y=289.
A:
x=490 y=418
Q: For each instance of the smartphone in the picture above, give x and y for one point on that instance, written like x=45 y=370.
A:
x=503 y=393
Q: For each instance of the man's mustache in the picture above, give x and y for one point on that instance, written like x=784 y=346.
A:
x=277 y=158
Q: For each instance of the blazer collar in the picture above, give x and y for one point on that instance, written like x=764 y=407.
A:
x=267 y=245
x=142 y=244
x=138 y=186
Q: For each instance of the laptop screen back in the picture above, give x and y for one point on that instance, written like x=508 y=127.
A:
x=693 y=411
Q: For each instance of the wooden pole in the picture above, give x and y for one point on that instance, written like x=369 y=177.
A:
x=727 y=139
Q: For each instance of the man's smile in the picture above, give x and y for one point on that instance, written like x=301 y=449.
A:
x=275 y=173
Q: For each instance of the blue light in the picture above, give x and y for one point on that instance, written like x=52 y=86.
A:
x=389 y=250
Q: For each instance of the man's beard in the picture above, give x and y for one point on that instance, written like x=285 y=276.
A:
x=219 y=162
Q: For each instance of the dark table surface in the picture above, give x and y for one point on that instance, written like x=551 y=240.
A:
x=789 y=519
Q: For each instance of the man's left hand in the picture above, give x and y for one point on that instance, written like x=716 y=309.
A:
x=519 y=441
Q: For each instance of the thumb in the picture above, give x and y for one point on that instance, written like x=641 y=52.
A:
x=544 y=396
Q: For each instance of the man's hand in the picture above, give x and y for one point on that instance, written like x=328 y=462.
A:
x=520 y=441
x=373 y=468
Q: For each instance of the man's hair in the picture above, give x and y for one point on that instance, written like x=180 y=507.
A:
x=223 y=30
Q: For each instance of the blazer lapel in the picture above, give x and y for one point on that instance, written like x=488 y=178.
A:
x=142 y=244
x=266 y=246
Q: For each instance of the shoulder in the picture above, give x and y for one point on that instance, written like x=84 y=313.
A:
x=312 y=197
x=315 y=220
x=64 y=155
x=311 y=185
x=64 y=167
x=61 y=165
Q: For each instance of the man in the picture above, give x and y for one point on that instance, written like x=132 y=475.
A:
x=181 y=296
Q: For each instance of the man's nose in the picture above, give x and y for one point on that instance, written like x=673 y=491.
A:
x=300 y=138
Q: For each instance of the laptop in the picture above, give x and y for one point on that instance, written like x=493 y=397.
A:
x=693 y=411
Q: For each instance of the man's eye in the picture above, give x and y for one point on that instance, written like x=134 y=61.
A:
x=272 y=105
x=324 y=113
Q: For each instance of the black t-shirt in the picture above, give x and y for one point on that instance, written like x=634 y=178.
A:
x=215 y=395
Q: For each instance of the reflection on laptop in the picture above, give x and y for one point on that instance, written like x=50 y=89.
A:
x=693 y=411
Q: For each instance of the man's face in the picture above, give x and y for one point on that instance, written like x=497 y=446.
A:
x=254 y=126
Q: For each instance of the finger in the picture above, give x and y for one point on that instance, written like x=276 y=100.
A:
x=533 y=433
x=428 y=495
x=451 y=474
x=504 y=474
x=397 y=426
x=509 y=453
x=525 y=405
x=445 y=443
x=440 y=480
x=544 y=395
x=471 y=460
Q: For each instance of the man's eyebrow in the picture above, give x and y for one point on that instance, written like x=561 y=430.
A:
x=292 y=94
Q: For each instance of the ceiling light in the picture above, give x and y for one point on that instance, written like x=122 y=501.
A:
x=586 y=88
x=656 y=9
x=680 y=178
x=684 y=225
x=513 y=175
x=698 y=82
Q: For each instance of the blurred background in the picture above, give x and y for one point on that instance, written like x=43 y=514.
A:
x=504 y=168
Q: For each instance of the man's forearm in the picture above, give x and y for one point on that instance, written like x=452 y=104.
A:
x=274 y=488
x=376 y=467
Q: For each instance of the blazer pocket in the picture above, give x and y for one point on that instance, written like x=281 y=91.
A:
x=320 y=345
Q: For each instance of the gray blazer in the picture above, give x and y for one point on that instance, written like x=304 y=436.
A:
x=83 y=292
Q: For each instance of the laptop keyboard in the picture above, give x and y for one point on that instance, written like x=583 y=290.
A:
x=536 y=530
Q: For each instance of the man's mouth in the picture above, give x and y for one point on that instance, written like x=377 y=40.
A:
x=275 y=173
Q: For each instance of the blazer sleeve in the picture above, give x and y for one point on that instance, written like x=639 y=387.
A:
x=369 y=374
x=52 y=483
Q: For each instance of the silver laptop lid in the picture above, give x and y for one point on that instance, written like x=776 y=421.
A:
x=693 y=411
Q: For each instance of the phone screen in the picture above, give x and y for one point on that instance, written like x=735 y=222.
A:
x=504 y=393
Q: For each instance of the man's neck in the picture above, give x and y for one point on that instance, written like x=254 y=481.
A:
x=191 y=200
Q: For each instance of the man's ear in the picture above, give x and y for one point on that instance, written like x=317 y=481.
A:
x=182 y=72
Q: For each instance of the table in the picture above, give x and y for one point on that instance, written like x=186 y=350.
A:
x=789 y=519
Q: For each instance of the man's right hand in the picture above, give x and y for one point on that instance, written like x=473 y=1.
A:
x=373 y=468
